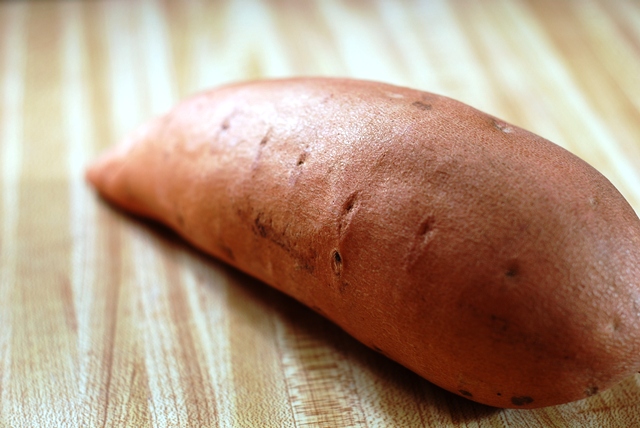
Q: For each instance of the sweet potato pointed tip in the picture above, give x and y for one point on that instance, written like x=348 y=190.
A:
x=102 y=173
x=94 y=171
x=99 y=171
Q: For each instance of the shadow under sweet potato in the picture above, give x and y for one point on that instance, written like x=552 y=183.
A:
x=402 y=385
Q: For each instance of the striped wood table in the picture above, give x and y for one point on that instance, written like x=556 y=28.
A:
x=109 y=321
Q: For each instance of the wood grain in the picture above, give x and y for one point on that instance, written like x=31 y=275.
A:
x=106 y=320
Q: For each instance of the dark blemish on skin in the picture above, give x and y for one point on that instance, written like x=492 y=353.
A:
x=266 y=138
x=227 y=252
x=180 y=220
x=439 y=177
x=521 y=401
x=263 y=226
x=594 y=202
x=591 y=391
x=465 y=393
x=261 y=146
x=336 y=262
x=422 y=106
x=226 y=123
x=512 y=269
x=302 y=159
x=260 y=226
x=499 y=324
x=499 y=394
x=306 y=266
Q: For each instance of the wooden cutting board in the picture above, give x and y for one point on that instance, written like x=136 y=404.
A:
x=106 y=320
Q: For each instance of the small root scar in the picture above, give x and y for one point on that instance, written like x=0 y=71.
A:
x=615 y=325
x=591 y=391
x=266 y=138
x=348 y=211
x=521 y=400
x=426 y=226
x=422 y=106
x=302 y=159
x=513 y=269
x=226 y=123
x=424 y=235
x=350 y=203
x=336 y=262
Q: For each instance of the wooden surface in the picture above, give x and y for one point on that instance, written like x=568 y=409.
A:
x=109 y=321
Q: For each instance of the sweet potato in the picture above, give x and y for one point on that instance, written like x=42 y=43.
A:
x=486 y=259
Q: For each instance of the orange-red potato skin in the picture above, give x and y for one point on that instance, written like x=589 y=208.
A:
x=485 y=258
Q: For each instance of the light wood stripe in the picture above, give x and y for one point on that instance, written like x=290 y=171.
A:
x=362 y=47
x=44 y=322
x=211 y=322
x=82 y=211
x=12 y=92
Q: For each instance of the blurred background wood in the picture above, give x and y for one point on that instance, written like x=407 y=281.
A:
x=109 y=321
